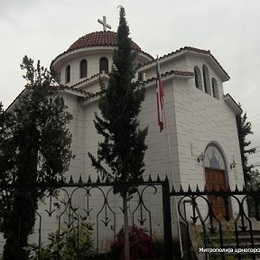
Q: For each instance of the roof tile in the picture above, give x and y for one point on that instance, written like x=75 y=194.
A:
x=98 y=39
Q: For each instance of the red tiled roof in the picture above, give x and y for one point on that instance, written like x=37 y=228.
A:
x=190 y=49
x=173 y=72
x=196 y=50
x=98 y=39
x=179 y=73
x=86 y=80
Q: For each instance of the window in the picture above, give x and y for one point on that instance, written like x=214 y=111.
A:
x=67 y=74
x=141 y=76
x=214 y=88
x=83 y=69
x=198 y=80
x=205 y=72
x=103 y=65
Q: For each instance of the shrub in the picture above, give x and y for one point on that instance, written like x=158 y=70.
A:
x=140 y=244
x=69 y=243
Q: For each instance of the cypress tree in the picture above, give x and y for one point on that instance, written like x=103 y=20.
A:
x=124 y=145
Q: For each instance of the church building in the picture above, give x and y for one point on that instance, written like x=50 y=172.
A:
x=198 y=145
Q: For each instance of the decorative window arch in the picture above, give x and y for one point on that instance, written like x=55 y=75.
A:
x=198 y=79
x=206 y=80
x=214 y=157
x=103 y=65
x=214 y=84
x=83 y=68
x=67 y=74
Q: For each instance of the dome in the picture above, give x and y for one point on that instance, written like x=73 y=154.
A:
x=96 y=39
x=95 y=43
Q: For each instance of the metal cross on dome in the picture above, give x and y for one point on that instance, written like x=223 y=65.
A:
x=104 y=23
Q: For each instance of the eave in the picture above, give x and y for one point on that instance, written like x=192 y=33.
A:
x=232 y=104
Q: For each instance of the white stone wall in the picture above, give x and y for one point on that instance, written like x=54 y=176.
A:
x=93 y=67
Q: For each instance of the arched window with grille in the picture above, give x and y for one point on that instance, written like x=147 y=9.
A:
x=103 y=65
x=67 y=74
x=83 y=69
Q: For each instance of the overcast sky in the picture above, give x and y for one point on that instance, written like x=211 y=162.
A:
x=42 y=29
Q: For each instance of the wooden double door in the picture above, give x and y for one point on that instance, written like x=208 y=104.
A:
x=216 y=180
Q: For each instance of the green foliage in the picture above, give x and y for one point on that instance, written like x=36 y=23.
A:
x=244 y=129
x=253 y=201
x=120 y=156
x=124 y=146
x=72 y=242
x=34 y=150
x=255 y=180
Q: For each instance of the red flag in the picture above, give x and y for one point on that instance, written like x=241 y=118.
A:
x=159 y=97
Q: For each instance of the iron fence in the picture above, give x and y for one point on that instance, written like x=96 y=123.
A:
x=219 y=224
x=91 y=209
x=191 y=224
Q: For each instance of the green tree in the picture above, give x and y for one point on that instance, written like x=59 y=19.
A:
x=244 y=129
x=124 y=146
x=255 y=179
x=34 y=151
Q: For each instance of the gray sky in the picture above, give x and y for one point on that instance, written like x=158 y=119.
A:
x=43 y=29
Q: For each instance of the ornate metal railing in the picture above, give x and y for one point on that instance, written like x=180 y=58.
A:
x=210 y=224
x=66 y=206
x=219 y=224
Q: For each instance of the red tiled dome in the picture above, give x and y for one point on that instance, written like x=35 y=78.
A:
x=98 y=39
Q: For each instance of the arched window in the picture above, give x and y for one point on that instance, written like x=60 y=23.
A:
x=198 y=79
x=214 y=157
x=206 y=80
x=103 y=65
x=214 y=88
x=83 y=69
x=67 y=74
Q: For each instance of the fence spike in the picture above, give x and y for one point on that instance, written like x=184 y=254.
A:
x=98 y=180
x=173 y=190
x=197 y=188
x=89 y=180
x=150 y=178
x=71 y=180
x=166 y=178
x=228 y=188
x=158 y=178
x=189 y=188
x=205 y=188
x=107 y=180
x=80 y=179
x=181 y=189
x=236 y=189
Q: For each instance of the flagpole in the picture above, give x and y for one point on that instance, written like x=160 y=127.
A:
x=173 y=181
x=171 y=165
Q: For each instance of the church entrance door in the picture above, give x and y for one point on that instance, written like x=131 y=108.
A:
x=216 y=180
